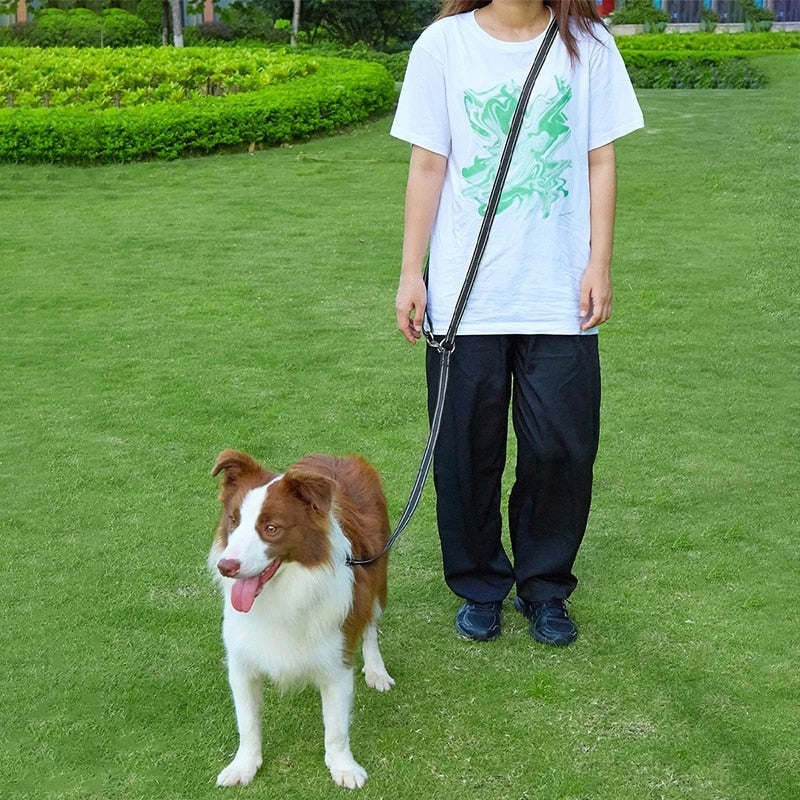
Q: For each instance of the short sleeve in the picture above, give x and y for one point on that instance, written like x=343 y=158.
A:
x=422 y=115
x=613 y=108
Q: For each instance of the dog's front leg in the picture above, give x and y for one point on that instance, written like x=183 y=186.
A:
x=247 y=689
x=337 y=702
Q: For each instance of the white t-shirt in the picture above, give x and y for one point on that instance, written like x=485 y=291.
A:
x=459 y=93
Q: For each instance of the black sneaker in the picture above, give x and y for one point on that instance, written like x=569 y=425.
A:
x=550 y=622
x=479 y=621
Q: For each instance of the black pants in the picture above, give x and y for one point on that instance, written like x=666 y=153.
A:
x=553 y=385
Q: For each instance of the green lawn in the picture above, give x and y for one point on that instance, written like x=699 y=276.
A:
x=153 y=314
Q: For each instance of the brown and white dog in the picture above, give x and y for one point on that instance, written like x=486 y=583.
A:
x=294 y=608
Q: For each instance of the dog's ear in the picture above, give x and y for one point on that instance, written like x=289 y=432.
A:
x=310 y=487
x=236 y=465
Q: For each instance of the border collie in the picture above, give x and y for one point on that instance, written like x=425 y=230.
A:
x=294 y=609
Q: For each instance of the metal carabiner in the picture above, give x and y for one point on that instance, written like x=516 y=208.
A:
x=440 y=345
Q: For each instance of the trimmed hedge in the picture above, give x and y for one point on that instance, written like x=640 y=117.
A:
x=340 y=93
x=93 y=78
x=700 y=60
x=678 y=69
x=713 y=42
x=670 y=61
x=691 y=70
x=396 y=63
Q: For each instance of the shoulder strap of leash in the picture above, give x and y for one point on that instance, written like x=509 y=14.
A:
x=446 y=345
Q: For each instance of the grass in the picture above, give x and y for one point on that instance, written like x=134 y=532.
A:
x=154 y=314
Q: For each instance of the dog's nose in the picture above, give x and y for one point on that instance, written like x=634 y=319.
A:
x=229 y=567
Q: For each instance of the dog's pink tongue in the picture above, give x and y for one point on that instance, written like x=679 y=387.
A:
x=244 y=593
x=245 y=590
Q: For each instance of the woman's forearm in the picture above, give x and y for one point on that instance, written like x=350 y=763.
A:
x=596 y=291
x=603 y=200
x=425 y=179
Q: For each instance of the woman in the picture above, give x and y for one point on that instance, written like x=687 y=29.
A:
x=527 y=338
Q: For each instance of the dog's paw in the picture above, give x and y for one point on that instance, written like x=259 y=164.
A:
x=379 y=680
x=350 y=776
x=239 y=772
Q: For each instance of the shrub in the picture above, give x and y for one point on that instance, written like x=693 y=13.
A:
x=49 y=28
x=80 y=27
x=641 y=12
x=757 y=18
x=340 y=93
x=709 y=19
x=149 y=11
x=210 y=30
x=396 y=63
x=13 y=35
x=687 y=70
x=121 y=29
x=247 y=21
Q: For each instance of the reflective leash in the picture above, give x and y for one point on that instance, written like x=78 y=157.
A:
x=446 y=345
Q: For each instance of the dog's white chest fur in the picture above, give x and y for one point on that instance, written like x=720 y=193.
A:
x=293 y=633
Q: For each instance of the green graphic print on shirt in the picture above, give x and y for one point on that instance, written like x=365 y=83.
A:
x=535 y=171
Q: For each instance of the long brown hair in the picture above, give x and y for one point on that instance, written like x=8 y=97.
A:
x=583 y=13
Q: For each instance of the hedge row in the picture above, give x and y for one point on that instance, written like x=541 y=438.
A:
x=102 y=78
x=396 y=63
x=669 y=61
x=340 y=93
x=691 y=70
x=700 y=60
x=713 y=42
x=677 y=69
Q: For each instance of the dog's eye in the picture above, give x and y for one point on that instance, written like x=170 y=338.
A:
x=234 y=518
x=267 y=529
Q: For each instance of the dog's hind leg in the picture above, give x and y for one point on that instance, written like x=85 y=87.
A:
x=337 y=703
x=247 y=690
x=374 y=670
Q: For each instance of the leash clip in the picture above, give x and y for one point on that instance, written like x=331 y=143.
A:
x=443 y=345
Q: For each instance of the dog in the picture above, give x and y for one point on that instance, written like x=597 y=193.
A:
x=294 y=608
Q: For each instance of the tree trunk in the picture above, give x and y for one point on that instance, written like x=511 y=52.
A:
x=177 y=23
x=165 y=15
x=295 y=22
